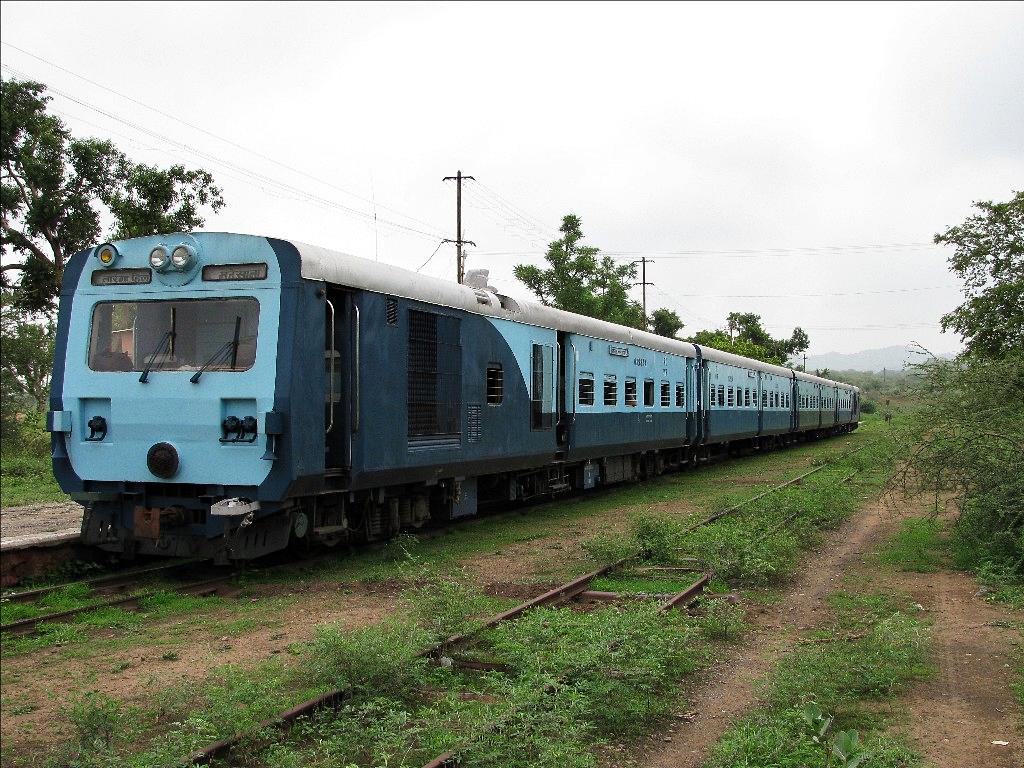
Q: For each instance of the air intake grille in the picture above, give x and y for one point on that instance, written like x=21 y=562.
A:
x=435 y=375
x=391 y=310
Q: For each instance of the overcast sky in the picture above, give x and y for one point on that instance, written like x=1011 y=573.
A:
x=775 y=140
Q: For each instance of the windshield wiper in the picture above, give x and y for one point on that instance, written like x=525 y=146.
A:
x=231 y=345
x=166 y=340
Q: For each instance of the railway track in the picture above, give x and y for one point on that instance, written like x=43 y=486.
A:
x=202 y=587
x=576 y=589
x=118 y=580
x=114 y=583
x=573 y=590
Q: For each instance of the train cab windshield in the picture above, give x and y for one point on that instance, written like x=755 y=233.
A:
x=182 y=335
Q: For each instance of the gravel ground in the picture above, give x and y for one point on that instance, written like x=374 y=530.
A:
x=36 y=519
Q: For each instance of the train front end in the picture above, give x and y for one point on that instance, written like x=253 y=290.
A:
x=169 y=421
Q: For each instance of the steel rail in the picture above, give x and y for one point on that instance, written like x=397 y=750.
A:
x=719 y=515
x=109 y=579
x=25 y=626
x=337 y=696
x=684 y=598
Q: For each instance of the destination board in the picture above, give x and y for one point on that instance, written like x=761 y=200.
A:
x=257 y=271
x=122 y=277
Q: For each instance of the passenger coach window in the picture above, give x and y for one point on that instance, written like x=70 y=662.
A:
x=587 y=389
x=495 y=384
x=731 y=397
x=611 y=391
x=631 y=392
x=721 y=395
x=746 y=397
x=182 y=335
x=648 y=393
x=666 y=394
x=680 y=396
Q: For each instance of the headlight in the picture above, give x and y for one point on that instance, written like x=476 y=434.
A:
x=158 y=258
x=107 y=254
x=182 y=257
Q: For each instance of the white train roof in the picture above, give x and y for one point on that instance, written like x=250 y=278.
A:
x=320 y=263
x=342 y=269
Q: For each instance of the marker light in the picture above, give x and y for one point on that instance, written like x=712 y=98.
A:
x=107 y=254
x=159 y=259
x=182 y=257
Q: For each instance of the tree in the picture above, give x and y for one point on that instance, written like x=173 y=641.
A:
x=989 y=257
x=55 y=190
x=26 y=364
x=744 y=335
x=747 y=326
x=579 y=281
x=665 y=322
x=737 y=346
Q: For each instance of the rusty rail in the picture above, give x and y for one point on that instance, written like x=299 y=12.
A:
x=108 y=580
x=26 y=626
x=718 y=515
x=687 y=596
x=337 y=696
x=555 y=596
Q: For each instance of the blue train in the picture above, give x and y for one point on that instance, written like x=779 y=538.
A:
x=228 y=396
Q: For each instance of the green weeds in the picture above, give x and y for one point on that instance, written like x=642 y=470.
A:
x=721 y=620
x=28 y=479
x=917 y=546
x=871 y=653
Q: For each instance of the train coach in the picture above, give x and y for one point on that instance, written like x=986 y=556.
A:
x=227 y=396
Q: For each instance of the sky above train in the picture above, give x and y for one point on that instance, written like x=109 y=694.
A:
x=790 y=160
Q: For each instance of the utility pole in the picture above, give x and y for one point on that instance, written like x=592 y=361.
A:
x=643 y=262
x=460 y=269
x=805 y=362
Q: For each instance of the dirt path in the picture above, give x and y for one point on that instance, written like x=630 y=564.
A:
x=727 y=690
x=952 y=719
x=955 y=717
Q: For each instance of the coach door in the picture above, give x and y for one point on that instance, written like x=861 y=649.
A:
x=338 y=347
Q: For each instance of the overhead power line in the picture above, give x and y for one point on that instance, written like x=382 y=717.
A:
x=530 y=223
x=200 y=129
x=743 y=252
x=812 y=295
x=250 y=174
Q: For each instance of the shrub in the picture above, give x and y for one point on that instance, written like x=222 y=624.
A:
x=659 y=536
x=446 y=605
x=375 y=660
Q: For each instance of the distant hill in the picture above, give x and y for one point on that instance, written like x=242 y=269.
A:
x=890 y=358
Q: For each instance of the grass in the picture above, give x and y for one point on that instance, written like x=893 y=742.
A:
x=28 y=479
x=1017 y=686
x=78 y=629
x=917 y=546
x=871 y=652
